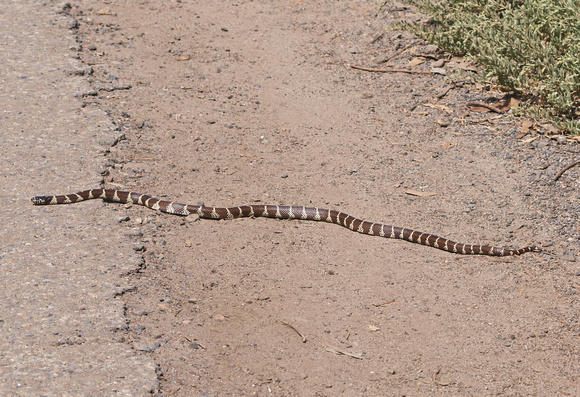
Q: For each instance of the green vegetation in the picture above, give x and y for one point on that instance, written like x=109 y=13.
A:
x=529 y=47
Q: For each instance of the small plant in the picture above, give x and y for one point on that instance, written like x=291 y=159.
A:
x=530 y=47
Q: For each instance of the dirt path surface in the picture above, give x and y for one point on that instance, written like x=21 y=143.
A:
x=232 y=103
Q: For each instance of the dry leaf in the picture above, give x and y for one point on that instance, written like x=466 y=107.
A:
x=440 y=107
x=104 y=11
x=467 y=66
x=438 y=63
x=441 y=71
x=525 y=128
x=460 y=63
x=532 y=139
x=419 y=193
x=479 y=109
x=447 y=145
x=506 y=104
x=527 y=125
x=551 y=128
x=416 y=61
x=373 y=328
x=498 y=107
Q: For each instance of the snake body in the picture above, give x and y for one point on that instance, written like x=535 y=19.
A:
x=284 y=212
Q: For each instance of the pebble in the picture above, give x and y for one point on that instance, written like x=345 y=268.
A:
x=63 y=8
x=69 y=23
x=82 y=71
x=86 y=93
x=143 y=348
x=569 y=256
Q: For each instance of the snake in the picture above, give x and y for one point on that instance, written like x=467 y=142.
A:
x=285 y=212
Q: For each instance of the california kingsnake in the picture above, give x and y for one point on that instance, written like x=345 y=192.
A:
x=284 y=212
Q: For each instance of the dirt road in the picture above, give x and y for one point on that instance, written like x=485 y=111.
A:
x=232 y=103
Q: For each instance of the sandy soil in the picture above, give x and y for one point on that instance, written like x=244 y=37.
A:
x=239 y=102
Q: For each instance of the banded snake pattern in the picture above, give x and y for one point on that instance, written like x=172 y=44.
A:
x=285 y=212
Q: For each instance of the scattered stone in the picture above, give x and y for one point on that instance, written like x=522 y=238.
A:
x=143 y=348
x=63 y=8
x=569 y=255
x=112 y=87
x=69 y=23
x=82 y=71
x=86 y=93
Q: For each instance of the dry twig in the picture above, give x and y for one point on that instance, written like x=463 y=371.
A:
x=396 y=54
x=559 y=174
x=389 y=70
x=532 y=276
x=343 y=352
x=295 y=330
x=384 y=304
x=437 y=382
x=484 y=105
x=439 y=96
